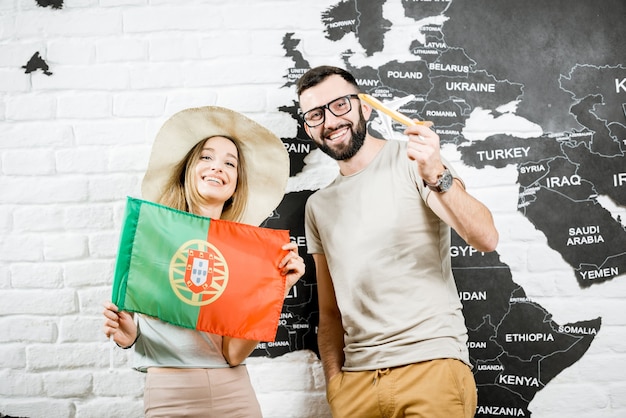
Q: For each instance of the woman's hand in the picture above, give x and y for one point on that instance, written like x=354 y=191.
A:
x=292 y=266
x=120 y=325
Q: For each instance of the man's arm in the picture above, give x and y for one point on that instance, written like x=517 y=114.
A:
x=330 y=330
x=461 y=211
x=466 y=215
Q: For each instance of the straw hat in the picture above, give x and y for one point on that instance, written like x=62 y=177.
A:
x=267 y=161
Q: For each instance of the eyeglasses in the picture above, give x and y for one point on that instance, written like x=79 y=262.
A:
x=337 y=107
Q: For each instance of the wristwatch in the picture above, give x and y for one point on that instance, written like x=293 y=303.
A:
x=444 y=182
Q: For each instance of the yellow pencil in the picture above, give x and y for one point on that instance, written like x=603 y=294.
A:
x=377 y=104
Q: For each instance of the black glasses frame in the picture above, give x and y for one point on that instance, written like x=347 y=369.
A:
x=327 y=106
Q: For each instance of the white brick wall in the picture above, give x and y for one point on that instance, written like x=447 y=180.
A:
x=75 y=144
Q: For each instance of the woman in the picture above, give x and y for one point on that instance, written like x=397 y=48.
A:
x=216 y=163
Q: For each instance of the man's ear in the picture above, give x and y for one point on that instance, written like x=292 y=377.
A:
x=307 y=130
x=366 y=109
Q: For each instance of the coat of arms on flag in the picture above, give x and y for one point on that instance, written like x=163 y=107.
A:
x=208 y=274
x=199 y=273
x=205 y=276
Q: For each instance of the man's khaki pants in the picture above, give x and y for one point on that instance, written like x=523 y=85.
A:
x=432 y=389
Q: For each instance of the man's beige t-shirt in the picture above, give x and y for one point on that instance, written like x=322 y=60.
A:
x=389 y=258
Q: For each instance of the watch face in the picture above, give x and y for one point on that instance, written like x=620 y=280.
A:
x=445 y=181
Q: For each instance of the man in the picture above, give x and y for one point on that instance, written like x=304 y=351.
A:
x=392 y=337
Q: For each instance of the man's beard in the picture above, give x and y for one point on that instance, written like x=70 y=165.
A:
x=356 y=142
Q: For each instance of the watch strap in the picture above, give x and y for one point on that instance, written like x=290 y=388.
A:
x=444 y=182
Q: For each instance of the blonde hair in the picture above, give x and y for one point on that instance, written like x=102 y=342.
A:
x=181 y=192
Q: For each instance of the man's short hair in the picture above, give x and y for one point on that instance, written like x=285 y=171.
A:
x=318 y=74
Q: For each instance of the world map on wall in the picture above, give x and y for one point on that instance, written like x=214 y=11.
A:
x=551 y=93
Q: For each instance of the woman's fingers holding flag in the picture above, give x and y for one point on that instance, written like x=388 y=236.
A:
x=292 y=266
x=119 y=325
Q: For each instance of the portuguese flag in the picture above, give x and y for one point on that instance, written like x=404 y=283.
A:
x=207 y=274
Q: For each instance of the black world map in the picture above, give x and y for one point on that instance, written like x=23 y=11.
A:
x=504 y=60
